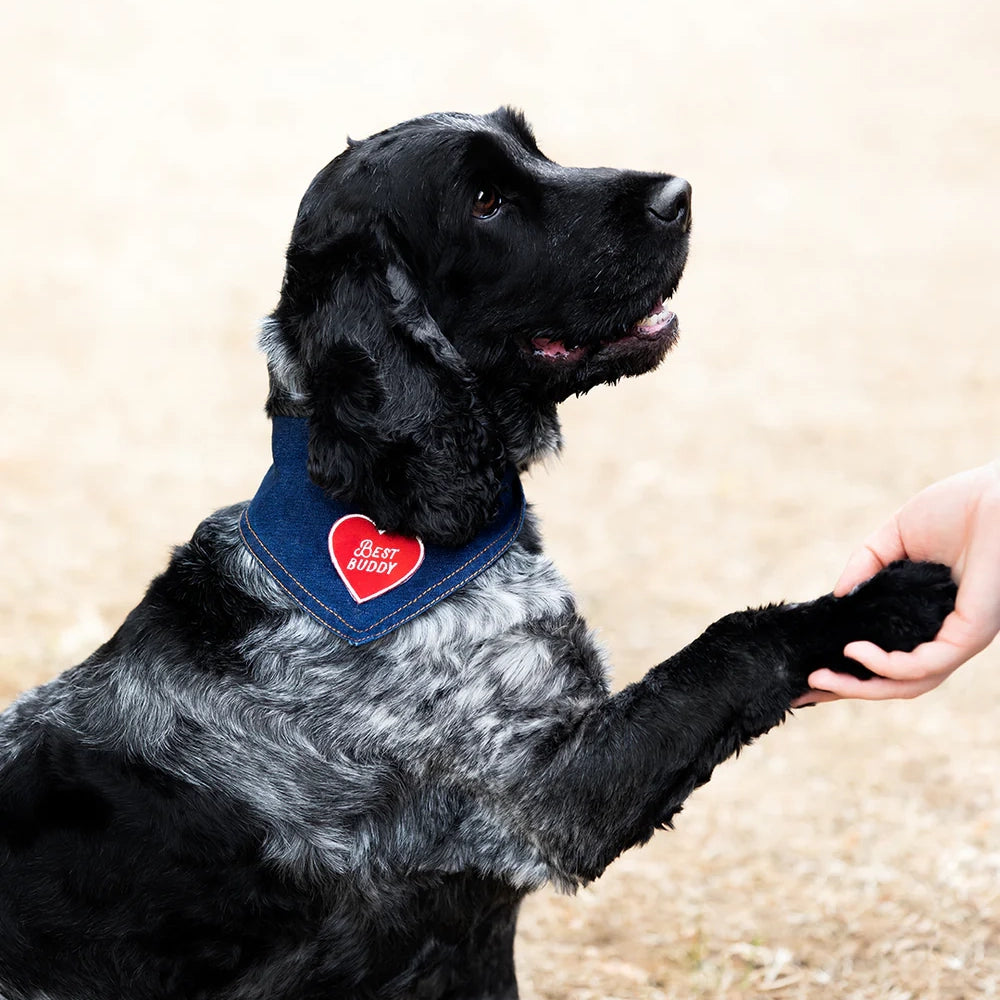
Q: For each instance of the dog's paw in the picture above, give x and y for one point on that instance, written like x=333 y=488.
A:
x=897 y=609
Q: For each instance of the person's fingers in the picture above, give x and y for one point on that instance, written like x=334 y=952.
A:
x=930 y=659
x=874 y=689
x=899 y=674
x=957 y=640
x=878 y=550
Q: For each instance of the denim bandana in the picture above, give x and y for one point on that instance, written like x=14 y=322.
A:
x=357 y=581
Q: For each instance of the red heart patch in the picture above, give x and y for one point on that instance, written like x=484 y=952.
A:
x=369 y=561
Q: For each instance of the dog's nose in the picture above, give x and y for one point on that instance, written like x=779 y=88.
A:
x=671 y=203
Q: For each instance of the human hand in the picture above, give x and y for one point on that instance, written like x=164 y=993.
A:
x=957 y=522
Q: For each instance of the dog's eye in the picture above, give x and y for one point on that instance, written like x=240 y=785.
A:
x=487 y=203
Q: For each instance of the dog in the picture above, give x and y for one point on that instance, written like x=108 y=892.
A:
x=333 y=766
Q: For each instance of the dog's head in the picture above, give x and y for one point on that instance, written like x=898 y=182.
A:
x=446 y=286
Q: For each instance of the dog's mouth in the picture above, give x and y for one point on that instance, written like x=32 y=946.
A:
x=657 y=328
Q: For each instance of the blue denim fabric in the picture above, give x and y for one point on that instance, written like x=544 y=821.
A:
x=287 y=524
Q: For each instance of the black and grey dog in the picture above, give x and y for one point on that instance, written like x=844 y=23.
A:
x=249 y=793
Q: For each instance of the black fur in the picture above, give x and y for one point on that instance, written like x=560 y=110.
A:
x=408 y=324
x=228 y=802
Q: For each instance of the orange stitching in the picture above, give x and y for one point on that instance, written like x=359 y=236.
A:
x=246 y=515
x=270 y=573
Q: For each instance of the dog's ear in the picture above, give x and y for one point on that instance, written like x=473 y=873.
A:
x=396 y=425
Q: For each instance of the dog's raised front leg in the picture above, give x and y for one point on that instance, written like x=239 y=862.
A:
x=627 y=766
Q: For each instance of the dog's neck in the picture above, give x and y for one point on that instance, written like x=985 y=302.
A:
x=529 y=428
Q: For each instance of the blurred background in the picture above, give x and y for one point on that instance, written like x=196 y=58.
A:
x=840 y=348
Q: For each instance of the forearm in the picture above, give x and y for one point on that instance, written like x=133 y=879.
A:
x=607 y=780
x=627 y=767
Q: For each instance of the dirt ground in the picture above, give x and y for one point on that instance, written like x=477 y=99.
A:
x=840 y=348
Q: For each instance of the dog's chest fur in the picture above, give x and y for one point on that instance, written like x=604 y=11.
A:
x=441 y=718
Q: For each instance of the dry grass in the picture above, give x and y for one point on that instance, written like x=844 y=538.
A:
x=840 y=349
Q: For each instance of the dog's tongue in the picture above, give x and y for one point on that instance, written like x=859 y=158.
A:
x=557 y=349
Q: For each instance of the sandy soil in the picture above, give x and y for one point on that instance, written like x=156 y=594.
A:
x=840 y=349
